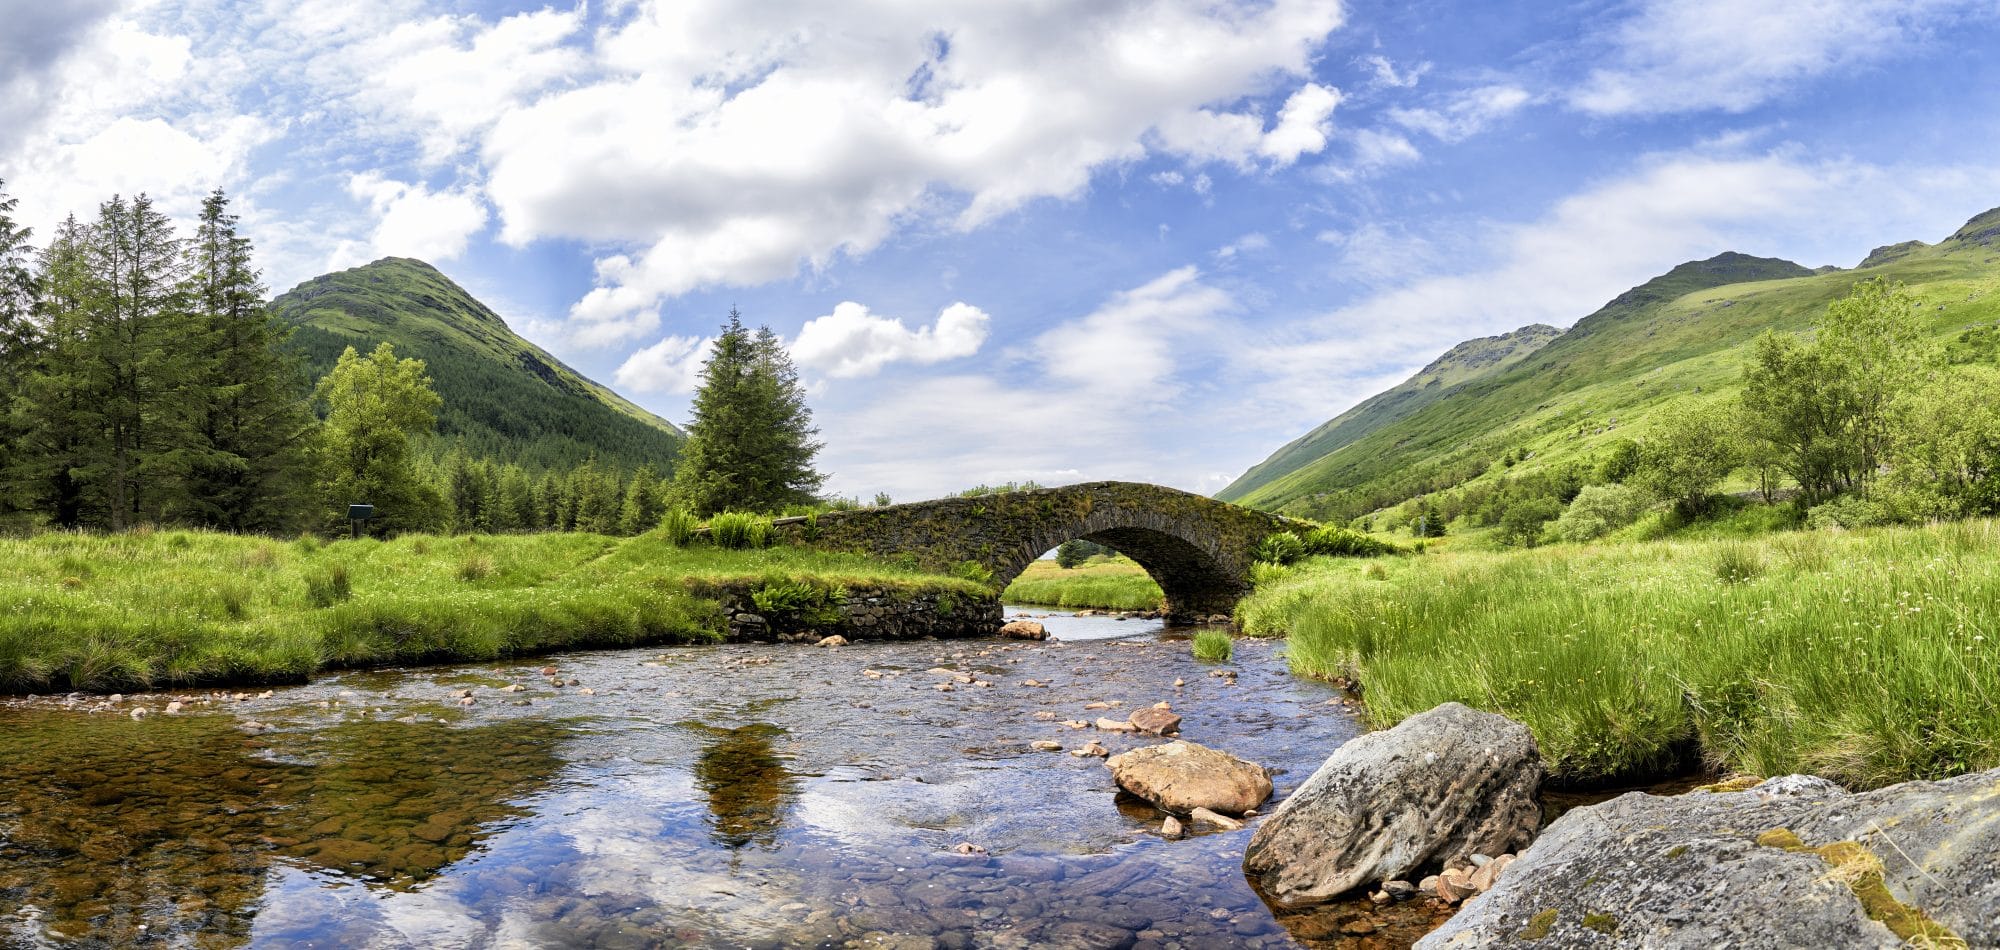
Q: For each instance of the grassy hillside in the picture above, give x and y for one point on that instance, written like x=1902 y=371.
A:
x=1468 y=361
x=504 y=397
x=1604 y=379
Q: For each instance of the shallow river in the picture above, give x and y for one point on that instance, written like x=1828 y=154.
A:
x=729 y=796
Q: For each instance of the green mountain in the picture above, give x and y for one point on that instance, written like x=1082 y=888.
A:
x=504 y=397
x=1473 y=359
x=1606 y=378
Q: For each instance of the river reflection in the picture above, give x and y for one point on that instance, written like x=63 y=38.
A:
x=748 y=787
x=714 y=796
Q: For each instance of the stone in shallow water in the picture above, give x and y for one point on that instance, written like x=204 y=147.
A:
x=1182 y=776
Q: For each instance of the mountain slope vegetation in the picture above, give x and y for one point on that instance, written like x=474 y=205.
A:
x=1605 y=379
x=505 y=399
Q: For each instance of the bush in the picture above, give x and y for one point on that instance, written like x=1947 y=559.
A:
x=1213 y=645
x=1600 y=509
x=1522 y=524
x=1849 y=511
x=973 y=571
x=1333 y=541
x=1280 y=549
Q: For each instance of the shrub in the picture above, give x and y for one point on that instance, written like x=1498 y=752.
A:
x=1281 y=548
x=328 y=587
x=1213 y=645
x=1334 y=541
x=1523 y=522
x=1598 y=510
x=1849 y=511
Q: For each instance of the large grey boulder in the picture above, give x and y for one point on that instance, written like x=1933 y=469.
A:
x=1183 y=776
x=1441 y=786
x=1795 y=862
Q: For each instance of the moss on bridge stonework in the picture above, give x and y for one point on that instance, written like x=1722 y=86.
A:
x=1197 y=548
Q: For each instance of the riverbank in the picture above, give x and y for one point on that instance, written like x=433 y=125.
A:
x=1867 y=657
x=177 y=608
x=1105 y=583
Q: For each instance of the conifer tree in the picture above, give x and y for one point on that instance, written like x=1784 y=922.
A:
x=48 y=411
x=254 y=425
x=643 y=505
x=750 y=445
x=20 y=344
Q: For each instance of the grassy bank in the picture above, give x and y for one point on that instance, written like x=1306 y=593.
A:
x=149 y=609
x=1112 y=583
x=1868 y=657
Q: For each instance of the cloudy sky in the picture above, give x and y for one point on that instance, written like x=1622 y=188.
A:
x=1146 y=239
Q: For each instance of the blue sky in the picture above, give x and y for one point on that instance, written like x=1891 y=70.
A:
x=1146 y=239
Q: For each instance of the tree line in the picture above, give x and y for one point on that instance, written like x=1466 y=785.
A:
x=143 y=381
x=1865 y=421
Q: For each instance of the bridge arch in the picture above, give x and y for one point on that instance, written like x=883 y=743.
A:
x=1198 y=549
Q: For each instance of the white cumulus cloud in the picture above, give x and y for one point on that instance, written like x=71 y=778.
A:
x=672 y=365
x=413 y=221
x=851 y=341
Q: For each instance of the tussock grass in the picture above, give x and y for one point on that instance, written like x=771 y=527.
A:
x=103 y=612
x=1110 y=583
x=1213 y=645
x=1869 y=657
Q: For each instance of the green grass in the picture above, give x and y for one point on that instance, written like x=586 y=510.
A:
x=1108 y=583
x=1868 y=657
x=1213 y=645
x=105 y=612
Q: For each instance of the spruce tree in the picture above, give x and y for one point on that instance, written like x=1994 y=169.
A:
x=49 y=409
x=642 y=508
x=20 y=345
x=750 y=445
x=254 y=425
x=133 y=376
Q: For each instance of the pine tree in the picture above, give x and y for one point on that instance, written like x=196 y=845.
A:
x=750 y=445
x=376 y=406
x=597 y=499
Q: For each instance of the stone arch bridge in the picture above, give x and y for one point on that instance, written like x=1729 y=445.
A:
x=1198 y=549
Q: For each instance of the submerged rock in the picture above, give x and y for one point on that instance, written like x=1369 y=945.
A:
x=833 y=641
x=1793 y=862
x=1431 y=792
x=1182 y=776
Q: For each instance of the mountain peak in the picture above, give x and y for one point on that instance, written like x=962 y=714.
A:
x=1982 y=229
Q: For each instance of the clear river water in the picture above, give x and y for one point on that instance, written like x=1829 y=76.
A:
x=724 y=796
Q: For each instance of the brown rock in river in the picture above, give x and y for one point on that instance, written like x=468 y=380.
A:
x=1159 y=722
x=1182 y=776
x=1024 y=630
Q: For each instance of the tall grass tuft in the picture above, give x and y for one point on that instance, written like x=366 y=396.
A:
x=1625 y=659
x=330 y=586
x=739 y=531
x=678 y=526
x=1737 y=562
x=475 y=568
x=1213 y=646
